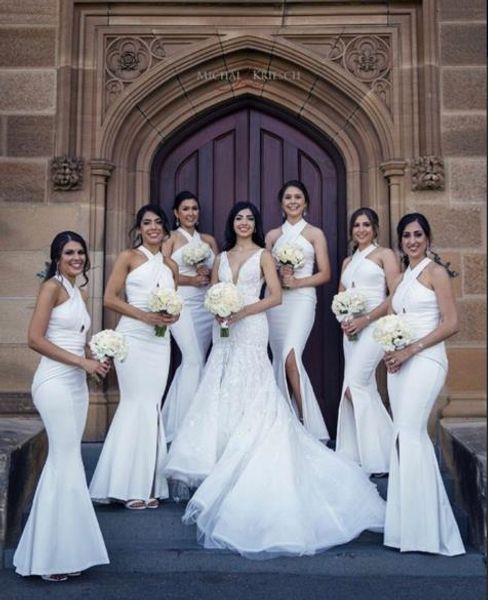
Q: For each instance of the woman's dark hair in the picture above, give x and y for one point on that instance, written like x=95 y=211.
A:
x=157 y=210
x=424 y=224
x=230 y=234
x=179 y=198
x=372 y=217
x=57 y=246
x=294 y=183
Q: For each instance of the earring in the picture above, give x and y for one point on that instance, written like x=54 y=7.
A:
x=305 y=212
x=283 y=215
x=177 y=221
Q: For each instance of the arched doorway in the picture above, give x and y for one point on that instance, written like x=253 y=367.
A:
x=246 y=151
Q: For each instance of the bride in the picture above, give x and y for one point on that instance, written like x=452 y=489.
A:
x=265 y=484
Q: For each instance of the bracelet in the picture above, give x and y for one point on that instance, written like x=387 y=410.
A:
x=368 y=318
x=420 y=345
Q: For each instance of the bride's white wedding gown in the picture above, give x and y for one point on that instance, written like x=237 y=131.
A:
x=418 y=515
x=266 y=484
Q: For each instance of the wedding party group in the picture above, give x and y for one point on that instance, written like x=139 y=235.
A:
x=241 y=438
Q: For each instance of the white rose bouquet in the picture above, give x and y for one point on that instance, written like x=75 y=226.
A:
x=165 y=300
x=108 y=344
x=195 y=254
x=392 y=333
x=290 y=254
x=223 y=299
x=348 y=304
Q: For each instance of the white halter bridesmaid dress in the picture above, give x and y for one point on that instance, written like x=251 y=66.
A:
x=364 y=428
x=418 y=515
x=290 y=324
x=62 y=533
x=135 y=444
x=193 y=334
x=267 y=486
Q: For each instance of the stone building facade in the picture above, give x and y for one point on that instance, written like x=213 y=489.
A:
x=93 y=94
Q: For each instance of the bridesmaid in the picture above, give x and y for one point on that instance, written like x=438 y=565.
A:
x=62 y=536
x=193 y=331
x=364 y=429
x=127 y=469
x=291 y=322
x=418 y=514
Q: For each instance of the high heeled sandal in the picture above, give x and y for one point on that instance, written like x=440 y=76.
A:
x=152 y=503
x=135 y=504
x=56 y=577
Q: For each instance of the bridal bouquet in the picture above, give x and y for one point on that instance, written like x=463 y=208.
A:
x=348 y=304
x=165 y=300
x=290 y=254
x=195 y=254
x=223 y=299
x=392 y=333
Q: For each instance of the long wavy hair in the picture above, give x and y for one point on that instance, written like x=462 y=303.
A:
x=57 y=246
x=230 y=234
x=179 y=198
x=425 y=225
x=372 y=217
x=157 y=210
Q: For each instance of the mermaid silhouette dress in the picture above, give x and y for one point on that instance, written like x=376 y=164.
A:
x=418 y=515
x=135 y=444
x=193 y=334
x=266 y=485
x=290 y=325
x=364 y=428
x=62 y=533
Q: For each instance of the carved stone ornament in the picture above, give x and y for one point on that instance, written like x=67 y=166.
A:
x=126 y=59
x=67 y=173
x=428 y=173
x=368 y=58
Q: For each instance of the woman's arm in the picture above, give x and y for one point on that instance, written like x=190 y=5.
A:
x=214 y=277
x=438 y=278
x=273 y=297
x=114 y=288
x=390 y=266
x=48 y=298
x=323 y=265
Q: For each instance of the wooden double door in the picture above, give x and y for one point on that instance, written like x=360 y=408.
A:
x=246 y=154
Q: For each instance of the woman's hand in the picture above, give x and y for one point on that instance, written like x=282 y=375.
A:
x=158 y=319
x=95 y=367
x=355 y=325
x=203 y=270
x=233 y=317
x=287 y=276
x=394 y=360
x=201 y=279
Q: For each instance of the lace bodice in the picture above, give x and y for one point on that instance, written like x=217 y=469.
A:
x=144 y=278
x=249 y=279
x=365 y=275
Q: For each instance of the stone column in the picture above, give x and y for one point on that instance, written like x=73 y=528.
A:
x=394 y=172
x=101 y=171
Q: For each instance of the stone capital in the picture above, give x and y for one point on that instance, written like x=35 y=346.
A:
x=393 y=168
x=101 y=168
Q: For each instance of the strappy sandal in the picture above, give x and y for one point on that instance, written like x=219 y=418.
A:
x=74 y=574
x=135 y=504
x=56 y=578
x=152 y=503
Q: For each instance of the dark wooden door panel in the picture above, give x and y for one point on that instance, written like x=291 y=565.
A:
x=247 y=155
